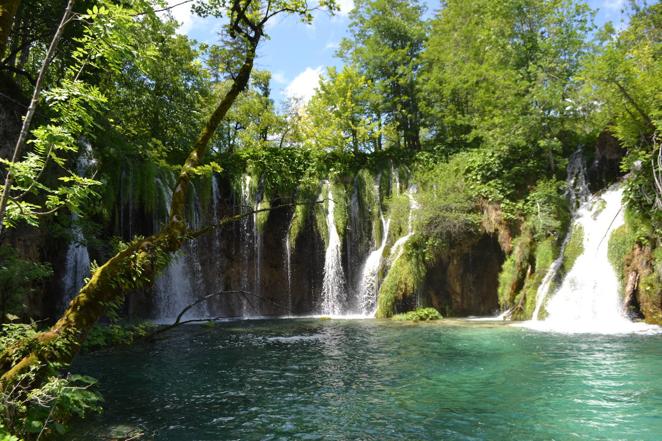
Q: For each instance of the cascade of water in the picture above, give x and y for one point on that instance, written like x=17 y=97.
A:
x=193 y=254
x=577 y=190
x=395 y=173
x=369 y=285
x=288 y=263
x=543 y=289
x=174 y=288
x=257 y=243
x=353 y=231
x=215 y=215
x=247 y=235
x=588 y=299
x=398 y=247
x=577 y=193
x=77 y=259
x=333 y=288
x=77 y=262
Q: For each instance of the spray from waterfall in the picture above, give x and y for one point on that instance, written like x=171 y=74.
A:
x=588 y=300
x=333 y=288
x=369 y=284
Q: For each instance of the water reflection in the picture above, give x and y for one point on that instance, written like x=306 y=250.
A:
x=338 y=380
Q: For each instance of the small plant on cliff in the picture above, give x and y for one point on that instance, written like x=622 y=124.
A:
x=418 y=315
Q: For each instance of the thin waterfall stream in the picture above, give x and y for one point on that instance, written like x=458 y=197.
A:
x=399 y=246
x=333 y=288
x=369 y=285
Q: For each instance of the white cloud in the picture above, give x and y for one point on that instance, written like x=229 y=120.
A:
x=182 y=14
x=279 y=77
x=613 y=4
x=303 y=86
x=332 y=45
x=345 y=6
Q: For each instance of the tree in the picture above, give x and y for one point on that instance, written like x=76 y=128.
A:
x=139 y=262
x=387 y=38
x=339 y=113
x=502 y=76
x=7 y=14
x=624 y=77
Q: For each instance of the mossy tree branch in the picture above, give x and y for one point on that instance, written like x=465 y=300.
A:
x=139 y=263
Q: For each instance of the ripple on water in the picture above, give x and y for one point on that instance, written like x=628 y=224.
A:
x=372 y=380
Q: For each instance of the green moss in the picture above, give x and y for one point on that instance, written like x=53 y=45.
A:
x=403 y=280
x=398 y=212
x=620 y=245
x=418 y=315
x=573 y=249
x=319 y=212
x=513 y=271
x=341 y=212
x=598 y=208
x=263 y=216
x=545 y=254
x=650 y=297
x=298 y=222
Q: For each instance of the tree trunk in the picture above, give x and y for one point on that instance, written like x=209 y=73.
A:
x=135 y=267
x=7 y=13
x=34 y=102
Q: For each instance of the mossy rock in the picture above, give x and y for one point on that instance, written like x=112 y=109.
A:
x=418 y=315
x=403 y=280
x=650 y=298
x=262 y=216
x=573 y=249
x=513 y=271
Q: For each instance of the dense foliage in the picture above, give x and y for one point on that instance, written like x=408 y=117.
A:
x=479 y=108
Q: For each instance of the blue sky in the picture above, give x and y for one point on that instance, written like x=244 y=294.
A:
x=298 y=53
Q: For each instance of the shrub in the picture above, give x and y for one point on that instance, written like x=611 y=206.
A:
x=32 y=413
x=418 y=315
x=103 y=336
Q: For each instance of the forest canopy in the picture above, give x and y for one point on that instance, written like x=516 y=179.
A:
x=103 y=105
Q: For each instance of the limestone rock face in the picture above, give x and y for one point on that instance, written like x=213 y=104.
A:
x=464 y=281
x=248 y=262
x=604 y=169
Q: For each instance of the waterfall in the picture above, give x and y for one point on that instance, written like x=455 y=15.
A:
x=588 y=300
x=77 y=259
x=288 y=263
x=174 y=288
x=333 y=288
x=550 y=276
x=247 y=235
x=577 y=193
x=368 y=286
x=399 y=246
x=215 y=217
x=395 y=180
x=257 y=241
x=76 y=264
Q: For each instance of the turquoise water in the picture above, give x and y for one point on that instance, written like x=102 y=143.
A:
x=373 y=380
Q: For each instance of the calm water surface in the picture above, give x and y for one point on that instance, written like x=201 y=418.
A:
x=312 y=379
